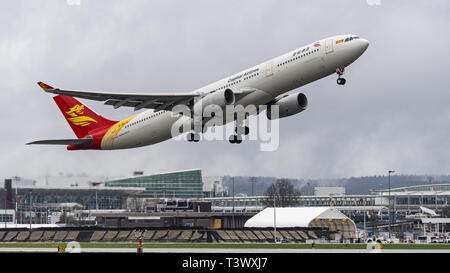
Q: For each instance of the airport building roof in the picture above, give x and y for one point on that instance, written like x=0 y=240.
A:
x=154 y=174
x=436 y=220
x=419 y=189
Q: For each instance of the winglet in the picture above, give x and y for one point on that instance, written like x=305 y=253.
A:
x=44 y=86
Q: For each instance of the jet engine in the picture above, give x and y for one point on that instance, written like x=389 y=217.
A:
x=289 y=105
x=220 y=98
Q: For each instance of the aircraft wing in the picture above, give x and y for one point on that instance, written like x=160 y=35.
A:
x=156 y=101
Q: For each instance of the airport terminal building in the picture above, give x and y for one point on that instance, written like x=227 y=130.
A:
x=403 y=200
x=180 y=184
x=410 y=199
x=19 y=203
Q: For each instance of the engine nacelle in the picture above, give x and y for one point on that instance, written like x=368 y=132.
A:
x=220 y=98
x=289 y=105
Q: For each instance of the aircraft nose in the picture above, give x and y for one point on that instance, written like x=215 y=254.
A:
x=364 y=44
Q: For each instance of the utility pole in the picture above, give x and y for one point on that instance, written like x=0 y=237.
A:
x=274 y=218
x=89 y=217
x=365 y=219
x=30 y=209
x=389 y=206
x=253 y=180
x=96 y=202
x=16 y=210
x=233 y=204
x=4 y=218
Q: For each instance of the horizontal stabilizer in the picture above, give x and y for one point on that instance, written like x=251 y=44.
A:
x=83 y=141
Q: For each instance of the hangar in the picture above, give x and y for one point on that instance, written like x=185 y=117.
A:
x=304 y=217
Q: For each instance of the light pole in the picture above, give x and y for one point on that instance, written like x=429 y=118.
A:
x=16 y=211
x=4 y=218
x=389 y=204
x=233 y=204
x=253 y=180
x=364 y=219
x=274 y=218
x=31 y=207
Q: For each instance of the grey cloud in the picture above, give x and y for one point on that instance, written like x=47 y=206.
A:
x=393 y=113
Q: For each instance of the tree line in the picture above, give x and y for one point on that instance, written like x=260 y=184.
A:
x=282 y=193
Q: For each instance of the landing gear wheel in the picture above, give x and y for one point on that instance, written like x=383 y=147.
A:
x=235 y=139
x=193 y=137
x=246 y=130
x=341 y=81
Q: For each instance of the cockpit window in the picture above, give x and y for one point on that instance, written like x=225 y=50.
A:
x=351 y=38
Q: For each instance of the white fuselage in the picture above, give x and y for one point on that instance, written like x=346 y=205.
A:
x=269 y=80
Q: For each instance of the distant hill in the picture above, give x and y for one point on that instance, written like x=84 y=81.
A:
x=353 y=185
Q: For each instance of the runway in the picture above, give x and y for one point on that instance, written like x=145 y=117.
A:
x=222 y=250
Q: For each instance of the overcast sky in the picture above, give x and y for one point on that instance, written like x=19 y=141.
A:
x=393 y=113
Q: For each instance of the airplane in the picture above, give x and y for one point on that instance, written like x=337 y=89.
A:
x=263 y=84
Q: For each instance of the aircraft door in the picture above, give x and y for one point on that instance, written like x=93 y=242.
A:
x=269 y=69
x=329 y=46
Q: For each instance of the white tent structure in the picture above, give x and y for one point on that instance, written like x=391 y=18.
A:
x=304 y=217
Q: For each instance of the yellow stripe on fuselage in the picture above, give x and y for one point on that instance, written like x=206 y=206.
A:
x=111 y=134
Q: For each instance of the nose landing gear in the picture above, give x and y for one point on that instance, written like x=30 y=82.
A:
x=340 y=72
x=341 y=81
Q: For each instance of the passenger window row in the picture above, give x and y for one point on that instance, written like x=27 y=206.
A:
x=236 y=82
x=141 y=120
x=251 y=76
x=298 y=57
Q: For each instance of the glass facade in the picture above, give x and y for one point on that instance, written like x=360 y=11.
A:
x=87 y=198
x=182 y=184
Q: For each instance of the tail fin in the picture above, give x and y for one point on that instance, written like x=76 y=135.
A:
x=80 y=117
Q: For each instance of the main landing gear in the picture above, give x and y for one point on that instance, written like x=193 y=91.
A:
x=239 y=130
x=193 y=137
x=236 y=138
x=340 y=72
